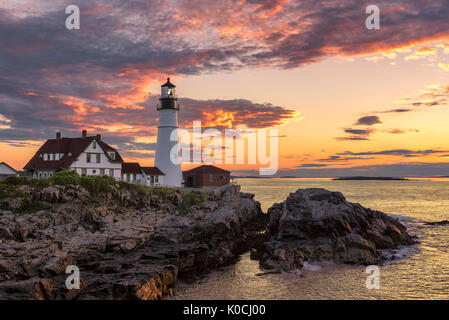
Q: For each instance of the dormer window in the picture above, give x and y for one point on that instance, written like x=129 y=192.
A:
x=111 y=155
x=94 y=145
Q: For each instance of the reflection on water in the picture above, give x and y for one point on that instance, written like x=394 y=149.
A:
x=423 y=274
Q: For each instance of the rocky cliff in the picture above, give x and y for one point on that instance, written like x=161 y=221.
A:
x=316 y=225
x=129 y=243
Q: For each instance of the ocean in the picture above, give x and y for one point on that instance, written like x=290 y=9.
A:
x=419 y=272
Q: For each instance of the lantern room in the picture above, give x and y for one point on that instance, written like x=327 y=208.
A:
x=168 y=90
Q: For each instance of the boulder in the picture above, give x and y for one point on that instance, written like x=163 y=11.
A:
x=316 y=225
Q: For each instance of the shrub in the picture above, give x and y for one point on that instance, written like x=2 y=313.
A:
x=161 y=190
x=29 y=206
x=40 y=183
x=97 y=184
x=8 y=190
x=15 y=181
x=140 y=189
x=190 y=199
x=65 y=177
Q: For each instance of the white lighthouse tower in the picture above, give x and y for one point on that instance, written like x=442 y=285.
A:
x=168 y=121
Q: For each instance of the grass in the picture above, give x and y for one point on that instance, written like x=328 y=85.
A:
x=141 y=189
x=94 y=184
x=9 y=191
x=28 y=206
x=191 y=199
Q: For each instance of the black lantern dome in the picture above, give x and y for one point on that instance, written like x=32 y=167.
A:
x=168 y=96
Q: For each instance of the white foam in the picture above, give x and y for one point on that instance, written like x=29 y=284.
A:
x=311 y=267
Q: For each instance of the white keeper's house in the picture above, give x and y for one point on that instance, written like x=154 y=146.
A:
x=88 y=155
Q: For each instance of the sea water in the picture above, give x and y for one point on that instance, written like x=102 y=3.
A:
x=419 y=272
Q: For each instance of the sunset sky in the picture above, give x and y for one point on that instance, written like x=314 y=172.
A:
x=346 y=100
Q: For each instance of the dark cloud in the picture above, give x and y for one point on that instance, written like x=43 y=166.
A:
x=312 y=165
x=352 y=139
x=361 y=132
x=369 y=120
x=396 y=111
x=395 y=152
x=339 y=158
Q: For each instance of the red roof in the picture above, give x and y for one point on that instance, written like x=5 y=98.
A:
x=207 y=169
x=153 y=171
x=131 y=167
x=71 y=147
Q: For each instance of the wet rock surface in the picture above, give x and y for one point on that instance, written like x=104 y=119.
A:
x=319 y=225
x=127 y=245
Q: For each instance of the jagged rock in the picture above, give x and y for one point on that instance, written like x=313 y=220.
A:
x=316 y=225
x=247 y=195
x=127 y=245
x=438 y=223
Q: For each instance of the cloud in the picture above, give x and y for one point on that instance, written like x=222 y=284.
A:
x=401 y=131
x=352 y=139
x=369 y=120
x=360 y=132
x=345 y=158
x=444 y=66
x=312 y=165
x=396 y=152
x=98 y=77
x=234 y=113
x=33 y=117
x=396 y=111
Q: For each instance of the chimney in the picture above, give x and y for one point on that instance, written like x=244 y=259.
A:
x=99 y=137
x=84 y=134
x=58 y=135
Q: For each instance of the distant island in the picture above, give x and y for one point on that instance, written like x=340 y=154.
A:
x=371 y=178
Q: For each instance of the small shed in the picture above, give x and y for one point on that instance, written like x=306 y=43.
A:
x=206 y=176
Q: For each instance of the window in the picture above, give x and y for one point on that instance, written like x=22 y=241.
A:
x=94 y=171
x=94 y=145
x=127 y=177
x=211 y=178
x=112 y=155
x=134 y=177
x=52 y=156
x=152 y=179
x=102 y=172
x=111 y=172
x=98 y=157
x=156 y=179
x=83 y=172
x=88 y=157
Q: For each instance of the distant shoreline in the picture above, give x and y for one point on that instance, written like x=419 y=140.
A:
x=350 y=178
x=372 y=178
x=361 y=178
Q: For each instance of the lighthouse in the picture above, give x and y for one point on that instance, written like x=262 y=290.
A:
x=168 y=122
